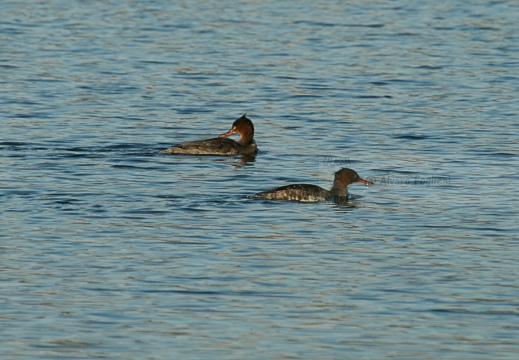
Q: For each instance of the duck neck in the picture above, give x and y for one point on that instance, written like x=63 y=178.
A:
x=246 y=138
x=338 y=189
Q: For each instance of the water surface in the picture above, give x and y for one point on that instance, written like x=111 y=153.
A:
x=111 y=250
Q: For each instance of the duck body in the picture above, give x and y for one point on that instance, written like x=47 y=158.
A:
x=221 y=145
x=295 y=192
x=214 y=146
x=312 y=193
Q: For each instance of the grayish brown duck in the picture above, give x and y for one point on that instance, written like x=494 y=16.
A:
x=312 y=193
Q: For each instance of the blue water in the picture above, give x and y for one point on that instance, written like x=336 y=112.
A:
x=111 y=250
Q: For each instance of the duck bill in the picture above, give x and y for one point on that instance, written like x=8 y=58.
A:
x=230 y=132
x=366 y=182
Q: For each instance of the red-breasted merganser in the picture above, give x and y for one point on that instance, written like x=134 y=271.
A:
x=311 y=193
x=222 y=145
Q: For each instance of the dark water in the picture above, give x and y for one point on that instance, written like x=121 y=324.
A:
x=110 y=250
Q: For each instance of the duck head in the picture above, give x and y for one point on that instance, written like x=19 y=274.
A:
x=244 y=127
x=348 y=176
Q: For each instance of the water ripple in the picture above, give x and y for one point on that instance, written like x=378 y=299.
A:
x=110 y=249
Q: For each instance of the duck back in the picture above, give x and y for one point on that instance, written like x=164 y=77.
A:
x=295 y=192
x=215 y=146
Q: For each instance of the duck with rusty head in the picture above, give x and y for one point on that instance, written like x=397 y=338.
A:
x=222 y=145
